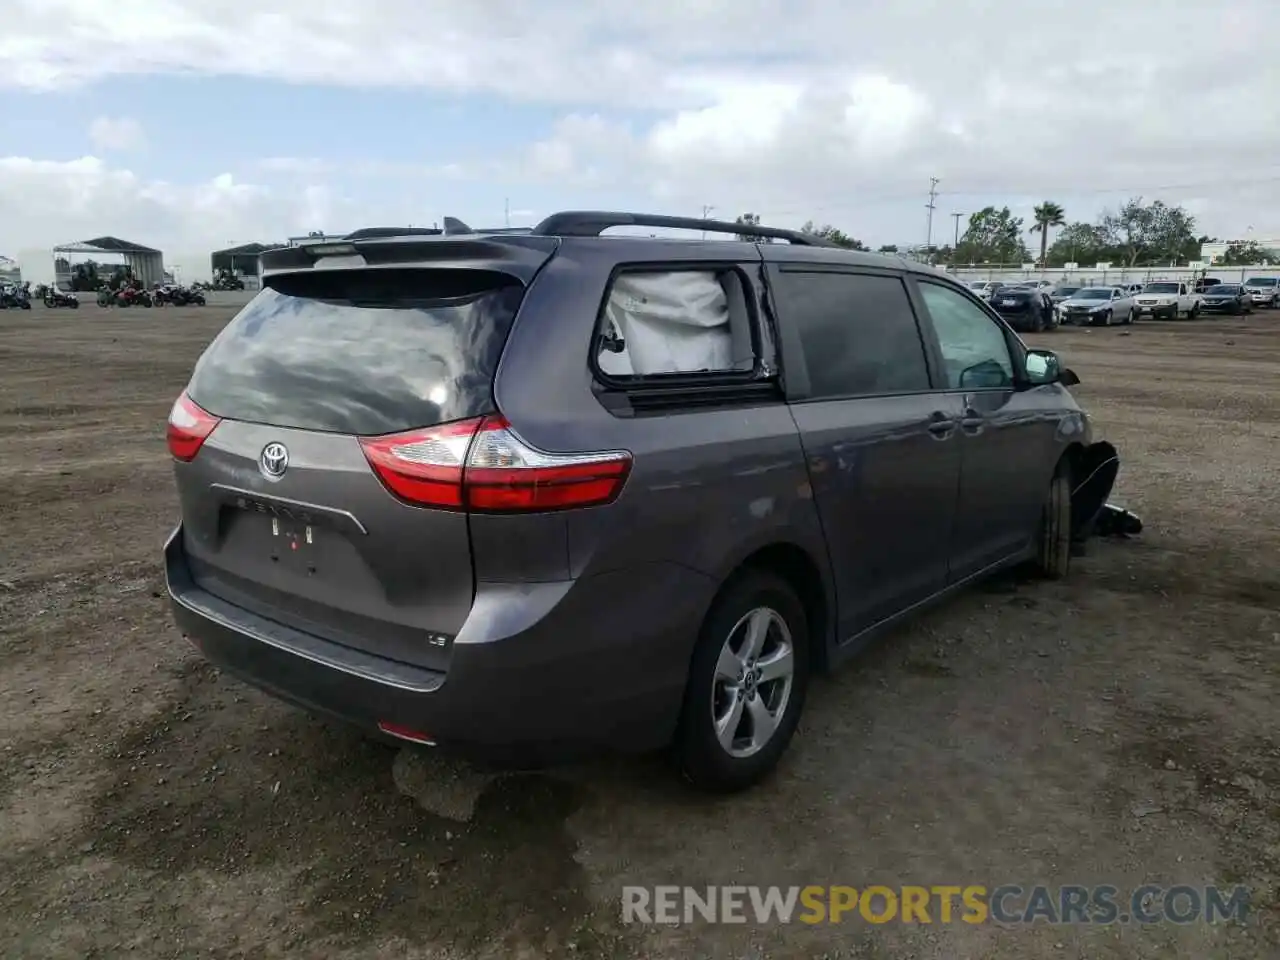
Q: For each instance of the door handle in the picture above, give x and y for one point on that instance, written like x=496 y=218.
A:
x=972 y=422
x=941 y=425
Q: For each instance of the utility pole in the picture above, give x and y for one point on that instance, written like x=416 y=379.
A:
x=506 y=209
x=956 y=217
x=706 y=213
x=930 y=206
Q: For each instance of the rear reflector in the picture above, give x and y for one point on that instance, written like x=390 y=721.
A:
x=481 y=465
x=405 y=733
x=189 y=427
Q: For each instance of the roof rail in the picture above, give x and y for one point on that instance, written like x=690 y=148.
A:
x=591 y=223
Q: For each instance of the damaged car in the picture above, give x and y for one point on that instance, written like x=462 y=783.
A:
x=528 y=494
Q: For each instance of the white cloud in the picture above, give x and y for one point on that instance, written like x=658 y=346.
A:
x=43 y=203
x=116 y=134
x=790 y=108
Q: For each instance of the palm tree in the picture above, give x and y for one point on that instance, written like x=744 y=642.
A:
x=1047 y=215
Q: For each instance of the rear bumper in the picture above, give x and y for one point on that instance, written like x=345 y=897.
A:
x=539 y=673
x=1022 y=322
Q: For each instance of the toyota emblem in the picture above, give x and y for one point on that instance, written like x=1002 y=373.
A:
x=274 y=461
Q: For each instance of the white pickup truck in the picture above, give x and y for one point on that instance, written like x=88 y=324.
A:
x=1167 y=300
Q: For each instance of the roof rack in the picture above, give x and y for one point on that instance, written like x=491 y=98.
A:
x=591 y=223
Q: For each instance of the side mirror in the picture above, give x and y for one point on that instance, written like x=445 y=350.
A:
x=1041 y=367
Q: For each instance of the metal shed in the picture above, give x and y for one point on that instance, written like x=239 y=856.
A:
x=146 y=263
x=242 y=261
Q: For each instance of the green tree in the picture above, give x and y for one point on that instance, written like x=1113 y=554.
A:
x=747 y=220
x=1150 y=233
x=1247 y=254
x=1047 y=216
x=832 y=235
x=993 y=236
x=1079 y=243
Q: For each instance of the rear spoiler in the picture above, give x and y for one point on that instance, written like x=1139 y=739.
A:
x=519 y=255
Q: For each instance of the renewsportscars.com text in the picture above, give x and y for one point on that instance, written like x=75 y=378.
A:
x=973 y=904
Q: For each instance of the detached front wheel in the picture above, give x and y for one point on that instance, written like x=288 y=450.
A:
x=746 y=686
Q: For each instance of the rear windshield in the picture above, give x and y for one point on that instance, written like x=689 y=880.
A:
x=1093 y=293
x=1262 y=281
x=361 y=352
x=1160 y=288
x=1012 y=293
x=1226 y=288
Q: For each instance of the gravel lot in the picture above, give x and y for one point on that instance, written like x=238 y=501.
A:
x=1119 y=727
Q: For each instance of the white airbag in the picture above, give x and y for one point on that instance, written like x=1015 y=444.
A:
x=671 y=323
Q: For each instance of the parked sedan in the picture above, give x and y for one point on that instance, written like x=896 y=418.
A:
x=1024 y=309
x=1097 y=306
x=984 y=288
x=1263 y=291
x=1059 y=294
x=1228 y=298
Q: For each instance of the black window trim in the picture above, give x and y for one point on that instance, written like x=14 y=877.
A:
x=761 y=372
x=797 y=383
x=1013 y=343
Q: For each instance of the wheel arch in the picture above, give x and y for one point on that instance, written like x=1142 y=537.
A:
x=811 y=581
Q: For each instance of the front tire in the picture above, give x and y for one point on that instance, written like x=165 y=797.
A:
x=1053 y=553
x=746 y=687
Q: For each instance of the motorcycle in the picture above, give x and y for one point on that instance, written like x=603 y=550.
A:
x=56 y=298
x=179 y=297
x=16 y=298
x=133 y=297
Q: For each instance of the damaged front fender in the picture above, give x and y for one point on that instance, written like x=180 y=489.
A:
x=1091 y=513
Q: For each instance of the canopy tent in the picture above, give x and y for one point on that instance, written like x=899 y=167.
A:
x=146 y=263
x=241 y=261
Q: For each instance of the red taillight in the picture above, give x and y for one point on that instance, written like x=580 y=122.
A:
x=482 y=465
x=189 y=427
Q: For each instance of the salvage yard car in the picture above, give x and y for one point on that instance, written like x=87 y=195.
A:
x=1263 y=291
x=524 y=494
x=1025 y=309
x=1097 y=306
x=1168 y=300
x=1227 y=298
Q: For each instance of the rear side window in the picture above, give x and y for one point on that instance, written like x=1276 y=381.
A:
x=361 y=352
x=858 y=333
x=682 y=322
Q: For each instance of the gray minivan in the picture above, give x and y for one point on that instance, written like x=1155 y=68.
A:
x=528 y=493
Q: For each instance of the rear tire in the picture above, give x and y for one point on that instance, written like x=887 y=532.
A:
x=717 y=699
x=1053 y=554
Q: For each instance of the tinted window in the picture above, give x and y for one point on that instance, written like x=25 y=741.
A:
x=361 y=352
x=858 y=333
x=975 y=353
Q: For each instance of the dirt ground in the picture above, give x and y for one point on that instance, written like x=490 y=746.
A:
x=1119 y=727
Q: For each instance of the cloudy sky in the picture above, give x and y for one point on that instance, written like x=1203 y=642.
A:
x=174 y=124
